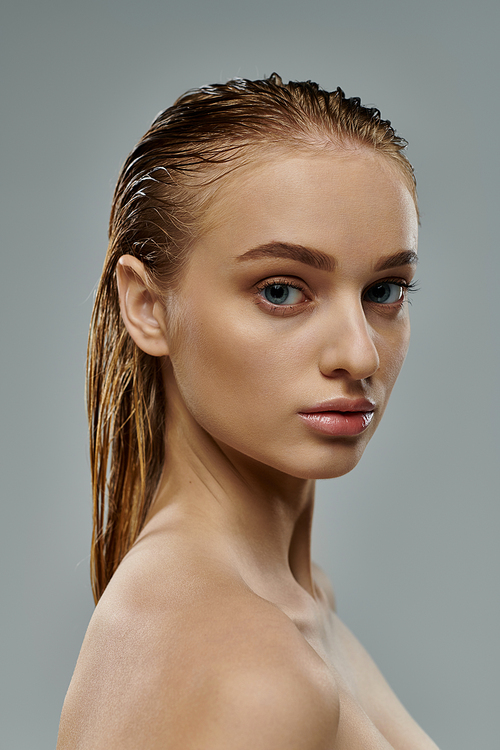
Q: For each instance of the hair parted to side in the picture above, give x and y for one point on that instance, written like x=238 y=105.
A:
x=163 y=192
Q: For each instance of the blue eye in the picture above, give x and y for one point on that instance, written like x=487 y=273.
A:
x=282 y=294
x=385 y=293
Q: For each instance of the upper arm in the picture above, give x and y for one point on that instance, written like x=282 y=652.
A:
x=265 y=708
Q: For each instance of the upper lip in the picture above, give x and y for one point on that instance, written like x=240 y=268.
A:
x=341 y=404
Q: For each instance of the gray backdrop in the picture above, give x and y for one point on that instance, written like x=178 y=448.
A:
x=410 y=538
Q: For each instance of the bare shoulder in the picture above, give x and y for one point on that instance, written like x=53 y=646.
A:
x=268 y=704
x=195 y=658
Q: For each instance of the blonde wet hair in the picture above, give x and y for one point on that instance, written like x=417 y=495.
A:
x=163 y=194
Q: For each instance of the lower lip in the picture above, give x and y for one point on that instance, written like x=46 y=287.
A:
x=338 y=423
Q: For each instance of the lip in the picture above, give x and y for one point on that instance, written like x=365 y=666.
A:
x=341 y=417
x=341 y=404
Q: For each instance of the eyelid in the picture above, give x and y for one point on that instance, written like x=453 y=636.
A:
x=281 y=279
x=297 y=283
x=407 y=287
x=282 y=310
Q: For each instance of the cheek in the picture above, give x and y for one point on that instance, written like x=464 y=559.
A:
x=392 y=352
x=222 y=365
x=240 y=377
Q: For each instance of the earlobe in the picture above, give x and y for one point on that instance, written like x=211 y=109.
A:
x=141 y=311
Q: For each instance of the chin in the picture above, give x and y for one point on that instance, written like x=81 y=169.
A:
x=309 y=458
x=332 y=470
x=328 y=463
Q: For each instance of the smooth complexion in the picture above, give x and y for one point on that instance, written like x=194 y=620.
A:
x=241 y=372
x=280 y=346
x=246 y=368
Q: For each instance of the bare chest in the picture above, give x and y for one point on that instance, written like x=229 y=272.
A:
x=370 y=713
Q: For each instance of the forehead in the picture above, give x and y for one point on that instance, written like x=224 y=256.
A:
x=339 y=203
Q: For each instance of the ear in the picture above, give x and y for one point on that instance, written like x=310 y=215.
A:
x=142 y=312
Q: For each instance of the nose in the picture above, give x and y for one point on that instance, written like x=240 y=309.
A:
x=349 y=344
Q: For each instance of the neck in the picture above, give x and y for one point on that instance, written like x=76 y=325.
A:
x=257 y=515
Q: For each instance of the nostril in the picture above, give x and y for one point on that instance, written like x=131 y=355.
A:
x=354 y=353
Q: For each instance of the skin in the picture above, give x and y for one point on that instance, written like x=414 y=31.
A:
x=217 y=630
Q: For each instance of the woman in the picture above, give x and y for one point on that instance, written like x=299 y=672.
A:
x=250 y=323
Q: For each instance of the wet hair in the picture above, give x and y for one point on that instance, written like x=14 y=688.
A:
x=160 y=205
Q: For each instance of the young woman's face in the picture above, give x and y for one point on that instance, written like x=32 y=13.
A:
x=293 y=314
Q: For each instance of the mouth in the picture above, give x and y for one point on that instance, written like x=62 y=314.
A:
x=339 y=418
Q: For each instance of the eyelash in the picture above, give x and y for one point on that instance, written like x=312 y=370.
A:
x=279 y=309
x=407 y=287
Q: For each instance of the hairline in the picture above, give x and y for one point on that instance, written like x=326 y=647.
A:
x=256 y=155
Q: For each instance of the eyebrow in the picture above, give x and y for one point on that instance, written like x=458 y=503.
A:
x=319 y=260
x=403 y=258
x=314 y=258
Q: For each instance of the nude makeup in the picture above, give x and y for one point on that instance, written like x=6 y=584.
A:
x=339 y=418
